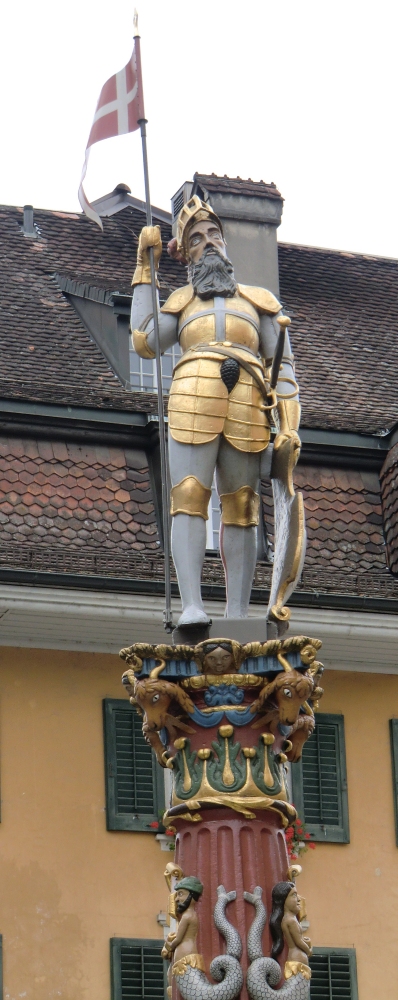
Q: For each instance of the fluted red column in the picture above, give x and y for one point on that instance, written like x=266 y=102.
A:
x=226 y=849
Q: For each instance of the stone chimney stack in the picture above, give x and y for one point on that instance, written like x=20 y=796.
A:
x=250 y=212
x=28 y=227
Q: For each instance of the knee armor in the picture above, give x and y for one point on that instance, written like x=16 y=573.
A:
x=190 y=497
x=241 y=507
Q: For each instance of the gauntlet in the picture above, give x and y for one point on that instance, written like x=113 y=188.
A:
x=149 y=237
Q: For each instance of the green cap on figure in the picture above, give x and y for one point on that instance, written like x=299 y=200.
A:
x=191 y=883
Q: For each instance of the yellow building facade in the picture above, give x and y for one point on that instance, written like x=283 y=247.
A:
x=352 y=889
x=67 y=884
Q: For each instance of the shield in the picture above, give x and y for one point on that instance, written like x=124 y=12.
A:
x=290 y=534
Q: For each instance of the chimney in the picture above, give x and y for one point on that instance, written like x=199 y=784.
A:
x=28 y=227
x=250 y=212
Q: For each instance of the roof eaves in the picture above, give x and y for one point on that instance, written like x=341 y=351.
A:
x=120 y=198
x=71 y=286
x=237 y=185
x=355 y=255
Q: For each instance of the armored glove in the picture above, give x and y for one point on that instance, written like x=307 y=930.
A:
x=149 y=237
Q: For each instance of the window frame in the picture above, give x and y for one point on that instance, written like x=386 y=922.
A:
x=126 y=822
x=351 y=953
x=174 y=352
x=394 y=766
x=319 y=832
x=116 y=945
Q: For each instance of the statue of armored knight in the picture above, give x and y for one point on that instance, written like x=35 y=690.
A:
x=221 y=408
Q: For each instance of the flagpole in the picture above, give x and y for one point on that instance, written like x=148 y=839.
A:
x=142 y=121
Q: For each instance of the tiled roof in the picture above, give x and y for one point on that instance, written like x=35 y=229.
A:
x=344 y=309
x=343 y=520
x=345 y=546
x=46 y=352
x=237 y=185
x=83 y=509
x=389 y=499
x=75 y=495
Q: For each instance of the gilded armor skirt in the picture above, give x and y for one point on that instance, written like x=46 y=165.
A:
x=200 y=407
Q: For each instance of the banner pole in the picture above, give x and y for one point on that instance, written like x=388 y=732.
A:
x=142 y=121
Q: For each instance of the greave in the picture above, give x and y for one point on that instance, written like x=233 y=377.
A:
x=239 y=553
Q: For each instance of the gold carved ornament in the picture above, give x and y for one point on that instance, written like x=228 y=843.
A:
x=200 y=681
x=295 y=969
x=308 y=648
x=245 y=800
x=172 y=871
x=195 y=961
x=286 y=812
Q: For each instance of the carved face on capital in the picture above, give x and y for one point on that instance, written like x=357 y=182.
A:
x=218 y=661
x=203 y=235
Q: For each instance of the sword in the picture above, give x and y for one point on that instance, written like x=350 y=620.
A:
x=284 y=322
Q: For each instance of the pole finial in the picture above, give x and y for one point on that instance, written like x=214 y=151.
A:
x=135 y=22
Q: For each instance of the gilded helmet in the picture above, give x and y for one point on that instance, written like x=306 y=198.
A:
x=194 y=211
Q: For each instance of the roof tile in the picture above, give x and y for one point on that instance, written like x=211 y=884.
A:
x=52 y=503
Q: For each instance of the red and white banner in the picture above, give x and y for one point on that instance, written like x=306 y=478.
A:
x=119 y=110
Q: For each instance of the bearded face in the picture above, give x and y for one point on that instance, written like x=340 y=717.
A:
x=213 y=274
x=183 y=904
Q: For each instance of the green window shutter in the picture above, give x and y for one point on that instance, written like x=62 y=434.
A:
x=138 y=971
x=134 y=780
x=334 y=974
x=319 y=782
x=394 y=761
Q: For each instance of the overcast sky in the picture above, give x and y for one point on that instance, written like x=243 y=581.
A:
x=300 y=92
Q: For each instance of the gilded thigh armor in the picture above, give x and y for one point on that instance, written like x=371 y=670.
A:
x=200 y=406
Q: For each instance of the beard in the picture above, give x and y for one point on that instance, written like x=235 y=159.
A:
x=212 y=275
x=181 y=907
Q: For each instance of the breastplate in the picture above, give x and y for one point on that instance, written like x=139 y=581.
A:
x=207 y=320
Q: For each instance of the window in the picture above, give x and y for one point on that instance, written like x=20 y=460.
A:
x=137 y=969
x=394 y=760
x=319 y=782
x=334 y=974
x=143 y=370
x=133 y=778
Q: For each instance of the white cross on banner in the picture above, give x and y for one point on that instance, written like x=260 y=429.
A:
x=119 y=110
